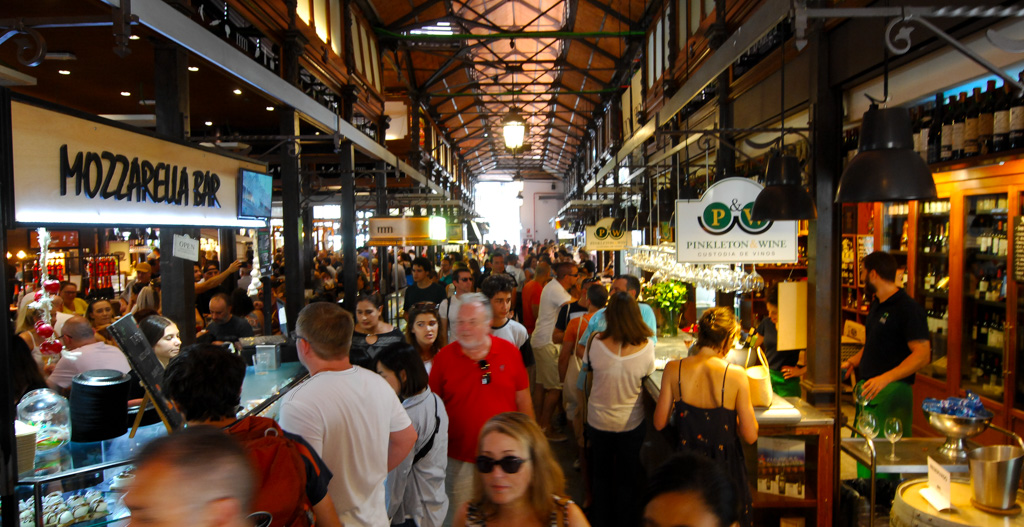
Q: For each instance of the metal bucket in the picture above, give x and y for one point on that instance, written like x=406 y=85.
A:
x=995 y=474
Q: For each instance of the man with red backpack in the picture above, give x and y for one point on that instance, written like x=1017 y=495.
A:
x=205 y=384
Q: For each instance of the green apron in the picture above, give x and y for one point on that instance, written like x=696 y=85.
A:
x=895 y=400
x=784 y=387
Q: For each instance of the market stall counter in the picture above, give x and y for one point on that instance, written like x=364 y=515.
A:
x=73 y=472
x=792 y=461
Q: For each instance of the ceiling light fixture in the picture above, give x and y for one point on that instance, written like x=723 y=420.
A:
x=270 y=108
x=64 y=72
x=126 y=94
x=236 y=91
x=134 y=37
x=514 y=129
x=784 y=196
x=208 y=123
x=193 y=68
x=886 y=167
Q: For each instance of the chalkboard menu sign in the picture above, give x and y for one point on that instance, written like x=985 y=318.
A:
x=263 y=250
x=1018 y=250
x=145 y=364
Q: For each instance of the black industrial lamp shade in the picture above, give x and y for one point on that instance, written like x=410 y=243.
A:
x=783 y=197
x=886 y=168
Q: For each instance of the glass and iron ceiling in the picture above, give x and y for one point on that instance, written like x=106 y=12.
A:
x=557 y=62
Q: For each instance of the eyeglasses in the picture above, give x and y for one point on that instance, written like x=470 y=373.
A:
x=485 y=378
x=466 y=279
x=508 y=464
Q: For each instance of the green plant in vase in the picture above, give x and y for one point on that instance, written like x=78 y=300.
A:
x=668 y=296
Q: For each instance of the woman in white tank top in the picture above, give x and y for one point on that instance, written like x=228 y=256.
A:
x=620 y=357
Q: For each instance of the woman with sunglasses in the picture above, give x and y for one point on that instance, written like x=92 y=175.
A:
x=710 y=401
x=416 y=486
x=423 y=332
x=371 y=333
x=517 y=481
x=619 y=357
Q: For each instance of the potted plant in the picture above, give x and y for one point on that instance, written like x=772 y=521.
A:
x=668 y=296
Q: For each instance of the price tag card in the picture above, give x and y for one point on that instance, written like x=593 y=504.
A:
x=186 y=248
x=939 y=492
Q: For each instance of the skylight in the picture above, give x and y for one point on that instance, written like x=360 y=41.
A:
x=440 y=28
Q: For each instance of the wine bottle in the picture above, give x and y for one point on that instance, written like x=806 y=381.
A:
x=985 y=119
x=1001 y=119
x=923 y=130
x=959 y=124
x=946 y=153
x=1017 y=120
x=971 y=124
x=935 y=133
x=982 y=287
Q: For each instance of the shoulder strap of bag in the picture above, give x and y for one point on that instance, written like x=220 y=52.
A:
x=586 y=351
x=421 y=453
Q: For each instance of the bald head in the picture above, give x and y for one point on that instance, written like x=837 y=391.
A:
x=543 y=271
x=78 y=332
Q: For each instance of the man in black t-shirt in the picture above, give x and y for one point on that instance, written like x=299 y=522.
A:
x=225 y=326
x=423 y=289
x=897 y=344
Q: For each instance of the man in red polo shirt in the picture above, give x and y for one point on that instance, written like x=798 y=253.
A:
x=478 y=376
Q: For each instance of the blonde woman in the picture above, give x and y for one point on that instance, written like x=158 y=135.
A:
x=710 y=400
x=517 y=481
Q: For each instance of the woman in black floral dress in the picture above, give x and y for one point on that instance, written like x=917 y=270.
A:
x=710 y=401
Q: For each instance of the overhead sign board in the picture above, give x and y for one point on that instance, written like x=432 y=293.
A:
x=407 y=230
x=608 y=235
x=718 y=229
x=73 y=170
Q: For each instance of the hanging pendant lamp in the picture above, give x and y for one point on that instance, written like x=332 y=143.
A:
x=886 y=168
x=783 y=197
x=514 y=129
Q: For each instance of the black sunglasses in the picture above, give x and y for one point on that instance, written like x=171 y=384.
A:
x=485 y=368
x=508 y=464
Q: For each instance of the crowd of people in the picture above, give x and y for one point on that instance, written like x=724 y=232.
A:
x=445 y=414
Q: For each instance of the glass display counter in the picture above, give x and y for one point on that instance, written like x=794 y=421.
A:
x=102 y=469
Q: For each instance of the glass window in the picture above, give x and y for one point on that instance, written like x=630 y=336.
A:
x=320 y=18
x=694 y=16
x=337 y=43
x=650 y=60
x=302 y=11
x=659 y=61
x=357 y=50
x=375 y=63
x=367 y=63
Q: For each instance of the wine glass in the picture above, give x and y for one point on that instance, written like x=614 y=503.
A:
x=893 y=432
x=867 y=425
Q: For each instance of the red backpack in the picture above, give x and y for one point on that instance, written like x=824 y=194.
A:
x=280 y=469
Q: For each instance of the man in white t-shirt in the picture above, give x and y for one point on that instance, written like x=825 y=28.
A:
x=83 y=353
x=499 y=290
x=545 y=351
x=449 y=307
x=349 y=415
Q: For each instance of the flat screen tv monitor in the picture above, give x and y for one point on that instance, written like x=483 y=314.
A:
x=255 y=191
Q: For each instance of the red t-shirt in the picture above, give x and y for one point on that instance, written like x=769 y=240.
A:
x=457 y=379
x=531 y=296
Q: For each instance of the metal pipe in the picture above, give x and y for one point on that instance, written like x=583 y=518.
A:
x=509 y=35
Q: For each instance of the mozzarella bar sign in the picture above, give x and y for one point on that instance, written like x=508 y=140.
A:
x=718 y=229
x=73 y=170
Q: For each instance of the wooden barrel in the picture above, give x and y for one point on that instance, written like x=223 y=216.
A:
x=910 y=509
